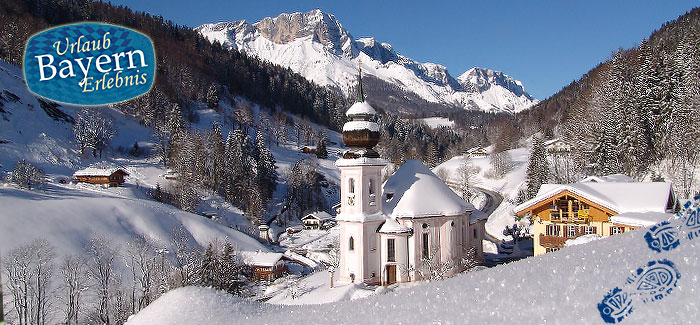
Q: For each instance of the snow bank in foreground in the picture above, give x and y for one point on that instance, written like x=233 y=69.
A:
x=585 y=239
x=565 y=287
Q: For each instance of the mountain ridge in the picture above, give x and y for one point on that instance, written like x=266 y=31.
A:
x=317 y=46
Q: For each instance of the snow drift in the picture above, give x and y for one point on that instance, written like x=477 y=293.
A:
x=560 y=287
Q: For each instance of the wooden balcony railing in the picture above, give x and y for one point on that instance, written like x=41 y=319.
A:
x=552 y=241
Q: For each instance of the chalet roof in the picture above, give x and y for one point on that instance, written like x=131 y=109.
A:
x=320 y=215
x=93 y=171
x=616 y=196
x=417 y=192
x=265 y=259
x=640 y=219
x=620 y=178
x=475 y=149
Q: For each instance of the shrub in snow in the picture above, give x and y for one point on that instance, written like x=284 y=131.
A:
x=517 y=231
x=26 y=175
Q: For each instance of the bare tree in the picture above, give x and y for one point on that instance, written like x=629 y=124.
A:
x=73 y=270
x=442 y=174
x=466 y=173
x=433 y=268
x=100 y=268
x=469 y=259
x=29 y=269
x=93 y=129
x=501 y=164
x=141 y=260
x=333 y=262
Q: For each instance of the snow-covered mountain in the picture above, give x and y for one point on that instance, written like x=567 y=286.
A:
x=315 y=45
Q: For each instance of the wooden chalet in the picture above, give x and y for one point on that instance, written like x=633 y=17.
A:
x=555 y=146
x=563 y=212
x=477 y=152
x=104 y=176
x=317 y=220
x=309 y=150
x=265 y=266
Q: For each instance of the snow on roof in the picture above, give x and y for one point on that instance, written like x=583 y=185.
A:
x=266 y=259
x=419 y=193
x=548 y=142
x=360 y=108
x=619 y=178
x=476 y=216
x=640 y=219
x=93 y=171
x=475 y=149
x=360 y=125
x=391 y=226
x=619 y=197
x=320 y=215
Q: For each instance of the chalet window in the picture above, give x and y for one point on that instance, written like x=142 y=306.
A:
x=571 y=231
x=588 y=230
x=351 y=244
x=549 y=250
x=426 y=245
x=553 y=230
x=614 y=230
x=390 y=250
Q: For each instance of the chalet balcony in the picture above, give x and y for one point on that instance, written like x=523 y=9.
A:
x=576 y=216
x=552 y=241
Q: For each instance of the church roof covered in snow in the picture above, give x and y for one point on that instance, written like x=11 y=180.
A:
x=391 y=226
x=417 y=192
x=619 y=197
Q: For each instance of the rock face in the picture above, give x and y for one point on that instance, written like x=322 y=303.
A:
x=317 y=46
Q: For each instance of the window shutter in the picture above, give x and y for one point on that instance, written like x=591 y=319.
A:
x=594 y=230
x=622 y=230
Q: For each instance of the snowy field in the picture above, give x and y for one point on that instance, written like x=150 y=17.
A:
x=508 y=186
x=531 y=291
x=436 y=122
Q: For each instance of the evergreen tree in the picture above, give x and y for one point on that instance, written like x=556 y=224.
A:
x=321 y=150
x=213 y=96
x=538 y=167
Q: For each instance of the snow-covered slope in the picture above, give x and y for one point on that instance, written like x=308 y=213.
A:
x=68 y=216
x=561 y=287
x=317 y=46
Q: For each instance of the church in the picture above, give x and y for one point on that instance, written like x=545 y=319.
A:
x=403 y=229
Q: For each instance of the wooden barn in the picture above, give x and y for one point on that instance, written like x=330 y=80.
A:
x=265 y=266
x=104 y=176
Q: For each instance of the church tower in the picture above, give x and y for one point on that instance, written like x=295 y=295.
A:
x=361 y=194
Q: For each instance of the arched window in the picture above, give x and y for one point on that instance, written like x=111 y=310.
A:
x=372 y=191
x=351 y=186
x=351 y=243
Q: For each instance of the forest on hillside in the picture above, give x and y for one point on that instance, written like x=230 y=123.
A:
x=637 y=113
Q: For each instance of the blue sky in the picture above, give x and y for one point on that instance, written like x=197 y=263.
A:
x=544 y=44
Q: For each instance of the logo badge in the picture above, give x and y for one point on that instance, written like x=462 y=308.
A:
x=89 y=64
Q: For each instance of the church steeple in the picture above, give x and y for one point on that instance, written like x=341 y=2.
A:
x=361 y=132
x=360 y=94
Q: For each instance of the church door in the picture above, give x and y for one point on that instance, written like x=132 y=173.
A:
x=390 y=274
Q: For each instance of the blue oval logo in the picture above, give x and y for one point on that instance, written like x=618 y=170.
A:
x=89 y=64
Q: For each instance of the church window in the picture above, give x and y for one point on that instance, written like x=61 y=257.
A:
x=426 y=245
x=391 y=250
x=351 y=191
x=372 y=191
x=351 y=243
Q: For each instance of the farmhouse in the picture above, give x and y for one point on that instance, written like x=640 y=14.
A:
x=265 y=266
x=309 y=150
x=391 y=233
x=477 y=152
x=562 y=212
x=316 y=220
x=111 y=176
x=555 y=146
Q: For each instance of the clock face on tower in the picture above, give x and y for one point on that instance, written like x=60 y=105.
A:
x=351 y=200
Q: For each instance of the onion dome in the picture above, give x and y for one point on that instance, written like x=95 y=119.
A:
x=361 y=133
